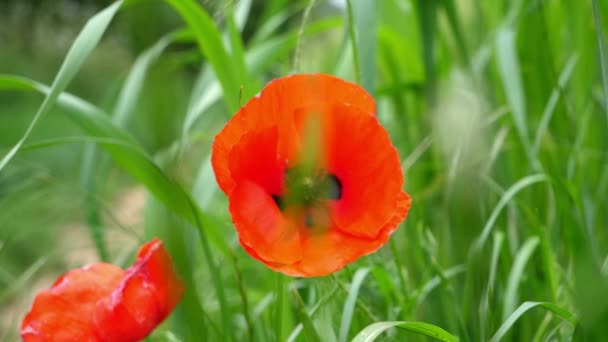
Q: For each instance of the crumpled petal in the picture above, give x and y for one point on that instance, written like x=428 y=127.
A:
x=101 y=302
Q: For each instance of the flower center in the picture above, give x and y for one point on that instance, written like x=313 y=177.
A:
x=305 y=189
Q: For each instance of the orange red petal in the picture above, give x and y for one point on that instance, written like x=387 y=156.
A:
x=102 y=302
x=262 y=226
x=369 y=168
x=273 y=108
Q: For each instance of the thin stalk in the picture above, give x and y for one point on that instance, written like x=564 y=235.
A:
x=353 y=39
x=217 y=279
x=296 y=56
x=602 y=52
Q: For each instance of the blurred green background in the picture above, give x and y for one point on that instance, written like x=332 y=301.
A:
x=498 y=108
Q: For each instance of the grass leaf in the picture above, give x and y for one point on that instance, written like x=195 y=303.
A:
x=504 y=200
x=210 y=42
x=95 y=167
x=372 y=331
x=516 y=274
x=84 y=44
x=522 y=309
x=601 y=45
x=351 y=300
x=510 y=75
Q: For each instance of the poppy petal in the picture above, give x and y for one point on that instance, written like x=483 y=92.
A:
x=101 y=302
x=145 y=297
x=275 y=107
x=368 y=167
x=255 y=159
x=305 y=90
x=62 y=312
x=323 y=254
x=327 y=253
x=260 y=223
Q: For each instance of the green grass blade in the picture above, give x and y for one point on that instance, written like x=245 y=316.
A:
x=21 y=281
x=496 y=248
x=486 y=311
x=205 y=93
x=210 y=42
x=272 y=24
x=261 y=56
x=372 y=331
x=602 y=52
x=46 y=143
x=552 y=103
x=95 y=166
x=310 y=332
x=128 y=154
x=523 y=308
x=241 y=12
x=362 y=19
x=454 y=21
x=131 y=90
x=516 y=274
x=296 y=56
x=351 y=300
x=238 y=57
x=427 y=20
x=237 y=50
x=322 y=301
x=434 y=282
x=504 y=200
x=84 y=44
x=352 y=32
x=510 y=75
x=280 y=306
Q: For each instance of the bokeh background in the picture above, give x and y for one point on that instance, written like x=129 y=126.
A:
x=498 y=108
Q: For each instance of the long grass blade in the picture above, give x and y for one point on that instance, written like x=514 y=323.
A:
x=362 y=22
x=210 y=42
x=552 y=103
x=95 y=166
x=504 y=200
x=516 y=274
x=510 y=75
x=349 y=305
x=84 y=44
x=601 y=45
x=372 y=331
x=525 y=307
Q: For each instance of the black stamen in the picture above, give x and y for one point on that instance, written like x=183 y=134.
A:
x=334 y=187
x=279 y=201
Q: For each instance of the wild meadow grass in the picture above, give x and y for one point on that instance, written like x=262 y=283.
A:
x=499 y=111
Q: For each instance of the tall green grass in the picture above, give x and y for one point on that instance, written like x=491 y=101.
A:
x=499 y=111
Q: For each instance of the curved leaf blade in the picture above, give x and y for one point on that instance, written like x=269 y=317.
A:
x=372 y=331
x=525 y=307
x=84 y=44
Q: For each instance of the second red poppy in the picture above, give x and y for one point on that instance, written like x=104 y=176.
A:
x=313 y=179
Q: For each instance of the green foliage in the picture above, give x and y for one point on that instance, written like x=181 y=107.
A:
x=498 y=110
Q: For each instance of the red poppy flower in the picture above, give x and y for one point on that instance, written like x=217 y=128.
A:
x=102 y=302
x=313 y=180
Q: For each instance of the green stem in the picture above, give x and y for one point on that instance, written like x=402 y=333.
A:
x=353 y=39
x=296 y=56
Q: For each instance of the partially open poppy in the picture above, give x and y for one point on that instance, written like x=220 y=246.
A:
x=313 y=179
x=102 y=302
